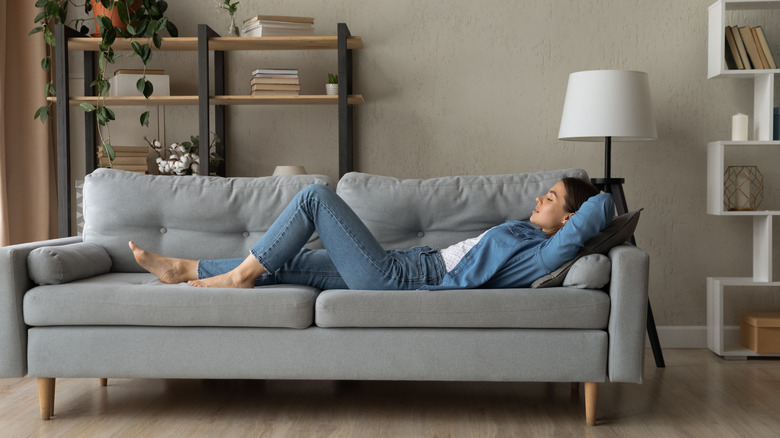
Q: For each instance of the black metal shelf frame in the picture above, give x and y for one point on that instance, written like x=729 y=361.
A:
x=63 y=33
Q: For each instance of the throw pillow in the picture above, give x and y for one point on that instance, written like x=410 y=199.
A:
x=66 y=263
x=621 y=229
x=589 y=272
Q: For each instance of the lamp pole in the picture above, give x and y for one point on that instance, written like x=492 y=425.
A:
x=614 y=186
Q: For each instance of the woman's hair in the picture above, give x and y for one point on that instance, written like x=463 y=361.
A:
x=577 y=192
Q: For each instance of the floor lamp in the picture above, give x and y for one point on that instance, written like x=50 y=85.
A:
x=606 y=105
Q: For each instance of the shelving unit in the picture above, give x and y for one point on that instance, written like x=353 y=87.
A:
x=205 y=43
x=723 y=341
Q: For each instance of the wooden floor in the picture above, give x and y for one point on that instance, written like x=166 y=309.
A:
x=697 y=395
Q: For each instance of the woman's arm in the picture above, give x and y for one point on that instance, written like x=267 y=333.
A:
x=593 y=216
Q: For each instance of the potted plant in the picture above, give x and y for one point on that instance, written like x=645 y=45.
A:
x=332 y=87
x=231 y=9
x=140 y=19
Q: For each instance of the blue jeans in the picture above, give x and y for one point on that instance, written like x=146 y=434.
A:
x=352 y=258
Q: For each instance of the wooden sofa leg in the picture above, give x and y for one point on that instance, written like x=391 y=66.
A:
x=103 y=381
x=46 y=397
x=591 y=394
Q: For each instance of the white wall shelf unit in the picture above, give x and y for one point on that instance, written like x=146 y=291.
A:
x=720 y=339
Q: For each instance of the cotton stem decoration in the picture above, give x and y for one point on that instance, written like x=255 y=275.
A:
x=176 y=159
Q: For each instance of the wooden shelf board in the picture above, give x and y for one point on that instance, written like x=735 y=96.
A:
x=316 y=99
x=226 y=43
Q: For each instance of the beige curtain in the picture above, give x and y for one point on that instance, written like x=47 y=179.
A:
x=28 y=199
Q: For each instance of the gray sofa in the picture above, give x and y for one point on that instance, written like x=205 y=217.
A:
x=82 y=307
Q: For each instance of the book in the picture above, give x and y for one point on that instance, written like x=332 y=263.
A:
x=265 y=30
x=274 y=93
x=761 y=55
x=761 y=38
x=282 y=18
x=129 y=161
x=733 y=60
x=274 y=80
x=127 y=150
x=750 y=46
x=275 y=72
x=276 y=87
x=741 y=47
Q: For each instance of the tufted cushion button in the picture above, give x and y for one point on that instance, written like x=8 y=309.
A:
x=163 y=230
x=420 y=234
x=245 y=234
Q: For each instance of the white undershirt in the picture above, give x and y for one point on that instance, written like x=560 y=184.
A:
x=454 y=253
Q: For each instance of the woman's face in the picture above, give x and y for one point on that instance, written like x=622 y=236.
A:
x=549 y=213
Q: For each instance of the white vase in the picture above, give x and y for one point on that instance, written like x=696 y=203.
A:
x=332 y=89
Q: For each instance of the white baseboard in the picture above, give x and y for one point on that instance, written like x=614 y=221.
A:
x=687 y=336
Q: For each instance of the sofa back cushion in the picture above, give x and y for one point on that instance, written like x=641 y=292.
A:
x=441 y=211
x=191 y=217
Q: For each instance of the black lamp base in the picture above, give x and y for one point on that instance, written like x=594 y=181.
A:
x=614 y=186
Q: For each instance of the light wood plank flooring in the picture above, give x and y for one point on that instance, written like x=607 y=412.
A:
x=697 y=395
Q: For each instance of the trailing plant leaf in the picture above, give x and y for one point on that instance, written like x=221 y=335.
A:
x=121 y=9
x=104 y=115
x=46 y=63
x=172 y=29
x=87 y=107
x=109 y=150
x=145 y=118
x=148 y=89
x=136 y=47
x=48 y=37
x=42 y=113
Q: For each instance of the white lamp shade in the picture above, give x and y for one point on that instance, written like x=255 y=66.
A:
x=289 y=170
x=608 y=103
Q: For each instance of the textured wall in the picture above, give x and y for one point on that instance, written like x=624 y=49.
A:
x=472 y=87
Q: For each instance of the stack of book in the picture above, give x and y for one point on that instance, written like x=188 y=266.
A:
x=275 y=82
x=132 y=158
x=746 y=49
x=277 y=25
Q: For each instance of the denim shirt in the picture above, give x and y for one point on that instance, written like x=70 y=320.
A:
x=516 y=253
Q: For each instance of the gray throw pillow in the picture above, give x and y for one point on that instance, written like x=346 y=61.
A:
x=621 y=229
x=589 y=272
x=66 y=263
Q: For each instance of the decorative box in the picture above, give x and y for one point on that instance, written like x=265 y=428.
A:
x=123 y=83
x=760 y=332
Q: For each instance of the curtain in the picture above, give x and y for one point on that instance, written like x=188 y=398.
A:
x=28 y=197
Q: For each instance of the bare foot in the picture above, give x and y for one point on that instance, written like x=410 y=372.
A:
x=228 y=280
x=242 y=277
x=168 y=269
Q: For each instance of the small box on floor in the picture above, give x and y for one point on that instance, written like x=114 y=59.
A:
x=760 y=332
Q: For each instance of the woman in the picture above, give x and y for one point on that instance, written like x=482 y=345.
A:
x=513 y=254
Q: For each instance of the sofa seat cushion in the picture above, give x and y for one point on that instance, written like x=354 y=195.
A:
x=142 y=300
x=488 y=308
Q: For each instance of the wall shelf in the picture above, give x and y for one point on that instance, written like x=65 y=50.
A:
x=315 y=99
x=225 y=43
x=207 y=42
x=720 y=340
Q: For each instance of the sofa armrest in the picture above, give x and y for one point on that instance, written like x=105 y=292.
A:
x=14 y=283
x=628 y=313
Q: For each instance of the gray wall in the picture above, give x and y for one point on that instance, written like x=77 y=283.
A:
x=477 y=87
